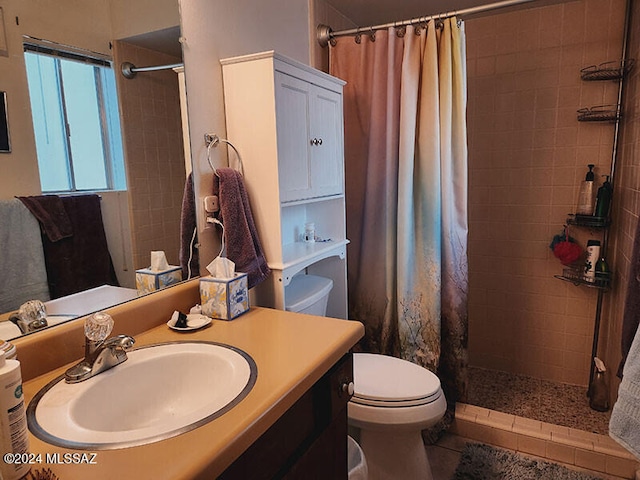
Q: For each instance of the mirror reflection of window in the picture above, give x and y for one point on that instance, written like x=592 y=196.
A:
x=76 y=123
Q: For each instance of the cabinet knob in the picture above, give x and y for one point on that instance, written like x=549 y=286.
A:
x=319 y=141
x=348 y=388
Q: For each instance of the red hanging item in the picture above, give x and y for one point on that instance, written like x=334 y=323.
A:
x=565 y=247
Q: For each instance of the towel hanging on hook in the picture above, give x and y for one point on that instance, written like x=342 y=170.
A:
x=212 y=140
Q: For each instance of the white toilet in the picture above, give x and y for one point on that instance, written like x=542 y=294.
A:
x=394 y=399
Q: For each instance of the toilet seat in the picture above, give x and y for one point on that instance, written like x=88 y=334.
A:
x=390 y=382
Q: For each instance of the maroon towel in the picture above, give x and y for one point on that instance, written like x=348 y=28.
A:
x=50 y=212
x=82 y=260
x=241 y=237
x=631 y=317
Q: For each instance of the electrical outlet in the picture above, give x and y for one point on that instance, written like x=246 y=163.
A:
x=211 y=204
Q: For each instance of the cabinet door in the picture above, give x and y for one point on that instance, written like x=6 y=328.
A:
x=293 y=107
x=310 y=139
x=327 y=151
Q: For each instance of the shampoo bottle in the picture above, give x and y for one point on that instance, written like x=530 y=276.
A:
x=593 y=255
x=585 y=197
x=14 y=435
x=603 y=199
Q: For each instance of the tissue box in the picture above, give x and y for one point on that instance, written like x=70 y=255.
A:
x=148 y=280
x=224 y=298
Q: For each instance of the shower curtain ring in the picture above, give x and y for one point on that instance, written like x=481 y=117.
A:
x=358 y=37
x=372 y=34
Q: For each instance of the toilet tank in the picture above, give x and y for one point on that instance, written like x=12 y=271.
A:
x=308 y=294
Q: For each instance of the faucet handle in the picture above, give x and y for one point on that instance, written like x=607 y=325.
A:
x=98 y=326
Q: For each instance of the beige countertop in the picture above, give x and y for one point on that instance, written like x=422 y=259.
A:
x=292 y=351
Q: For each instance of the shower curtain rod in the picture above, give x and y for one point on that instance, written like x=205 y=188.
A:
x=129 y=70
x=325 y=35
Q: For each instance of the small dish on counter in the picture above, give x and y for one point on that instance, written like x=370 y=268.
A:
x=194 y=321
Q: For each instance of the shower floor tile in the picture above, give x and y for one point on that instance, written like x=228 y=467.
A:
x=560 y=404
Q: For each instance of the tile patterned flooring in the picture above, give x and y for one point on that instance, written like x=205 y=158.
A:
x=565 y=405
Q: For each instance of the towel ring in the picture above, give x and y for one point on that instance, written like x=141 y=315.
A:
x=212 y=140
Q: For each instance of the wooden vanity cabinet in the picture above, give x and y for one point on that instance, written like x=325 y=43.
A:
x=309 y=441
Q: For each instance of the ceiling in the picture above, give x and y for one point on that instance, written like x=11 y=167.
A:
x=165 y=41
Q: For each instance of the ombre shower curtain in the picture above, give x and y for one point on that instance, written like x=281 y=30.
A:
x=406 y=193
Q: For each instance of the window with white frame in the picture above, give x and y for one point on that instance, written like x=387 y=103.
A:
x=75 y=118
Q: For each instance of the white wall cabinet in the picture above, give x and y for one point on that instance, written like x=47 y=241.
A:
x=309 y=139
x=286 y=120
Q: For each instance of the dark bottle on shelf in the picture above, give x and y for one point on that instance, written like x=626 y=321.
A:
x=603 y=199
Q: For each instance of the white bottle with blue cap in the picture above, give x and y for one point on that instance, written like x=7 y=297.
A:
x=14 y=434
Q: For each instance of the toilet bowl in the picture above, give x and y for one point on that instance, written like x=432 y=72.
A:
x=394 y=400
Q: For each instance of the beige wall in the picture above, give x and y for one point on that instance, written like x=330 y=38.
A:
x=527 y=155
x=216 y=30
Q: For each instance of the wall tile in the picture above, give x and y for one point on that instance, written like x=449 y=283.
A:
x=527 y=155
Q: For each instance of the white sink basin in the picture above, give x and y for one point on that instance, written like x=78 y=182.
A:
x=160 y=391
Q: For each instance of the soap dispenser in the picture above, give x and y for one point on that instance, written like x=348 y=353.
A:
x=586 y=198
x=603 y=199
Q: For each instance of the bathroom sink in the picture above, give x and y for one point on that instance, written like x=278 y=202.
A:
x=160 y=391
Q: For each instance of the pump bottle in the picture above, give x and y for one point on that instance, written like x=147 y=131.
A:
x=586 y=198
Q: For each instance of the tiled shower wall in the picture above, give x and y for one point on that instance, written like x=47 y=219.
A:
x=527 y=156
x=154 y=156
x=626 y=206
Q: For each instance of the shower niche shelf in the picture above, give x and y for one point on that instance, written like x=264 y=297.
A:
x=607 y=71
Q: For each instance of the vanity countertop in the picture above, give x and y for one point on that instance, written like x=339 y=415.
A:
x=292 y=351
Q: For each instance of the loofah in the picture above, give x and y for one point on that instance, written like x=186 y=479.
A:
x=565 y=248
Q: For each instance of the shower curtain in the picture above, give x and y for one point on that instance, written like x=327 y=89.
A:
x=406 y=193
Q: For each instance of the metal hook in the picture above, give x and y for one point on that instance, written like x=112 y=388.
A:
x=372 y=34
x=358 y=37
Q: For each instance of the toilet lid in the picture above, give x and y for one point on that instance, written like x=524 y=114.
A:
x=381 y=379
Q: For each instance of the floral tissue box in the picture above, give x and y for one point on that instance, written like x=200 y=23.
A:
x=148 y=280
x=224 y=298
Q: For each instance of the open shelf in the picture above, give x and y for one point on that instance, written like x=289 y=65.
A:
x=574 y=276
x=607 y=71
x=600 y=113
x=588 y=221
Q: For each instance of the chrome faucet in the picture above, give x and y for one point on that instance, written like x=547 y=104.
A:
x=31 y=316
x=99 y=354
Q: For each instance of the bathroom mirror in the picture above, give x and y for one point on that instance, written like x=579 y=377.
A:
x=145 y=217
